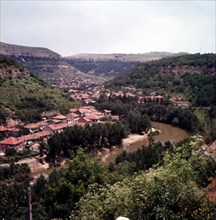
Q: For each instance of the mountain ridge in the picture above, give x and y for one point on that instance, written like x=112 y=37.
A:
x=27 y=51
x=135 y=57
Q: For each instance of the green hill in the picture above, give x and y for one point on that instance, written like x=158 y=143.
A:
x=24 y=96
x=190 y=76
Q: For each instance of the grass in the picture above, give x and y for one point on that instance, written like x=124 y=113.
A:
x=28 y=94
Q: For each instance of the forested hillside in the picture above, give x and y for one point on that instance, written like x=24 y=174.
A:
x=23 y=95
x=193 y=76
x=112 y=65
x=108 y=68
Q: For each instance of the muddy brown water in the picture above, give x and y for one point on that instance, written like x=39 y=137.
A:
x=167 y=133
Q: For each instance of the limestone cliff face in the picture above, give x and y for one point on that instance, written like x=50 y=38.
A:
x=23 y=51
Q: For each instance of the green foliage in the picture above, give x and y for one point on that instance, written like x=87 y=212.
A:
x=28 y=97
x=191 y=75
x=14 y=156
x=136 y=114
x=168 y=191
x=142 y=159
x=13 y=201
x=13 y=170
x=137 y=122
x=91 y=138
x=65 y=187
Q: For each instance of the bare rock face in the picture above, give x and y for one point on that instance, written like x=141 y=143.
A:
x=23 y=51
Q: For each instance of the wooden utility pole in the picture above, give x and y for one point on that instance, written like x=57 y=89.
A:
x=29 y=204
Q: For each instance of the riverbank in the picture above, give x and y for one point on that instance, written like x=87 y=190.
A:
x=133 y=139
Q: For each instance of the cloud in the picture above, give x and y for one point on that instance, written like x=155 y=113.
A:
x=71 y=27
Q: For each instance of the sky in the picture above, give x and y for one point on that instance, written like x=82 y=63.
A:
x=74 y=27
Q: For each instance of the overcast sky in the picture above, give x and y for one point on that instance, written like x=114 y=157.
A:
x=72 y=27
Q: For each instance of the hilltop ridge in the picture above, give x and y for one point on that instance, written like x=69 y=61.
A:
x=26 y=51
x=138 y=57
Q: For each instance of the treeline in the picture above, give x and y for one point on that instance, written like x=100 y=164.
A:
x=164 y=112
x=91 y=138
x=193 y=76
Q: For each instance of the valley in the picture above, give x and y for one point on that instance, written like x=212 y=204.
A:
x=84 y=128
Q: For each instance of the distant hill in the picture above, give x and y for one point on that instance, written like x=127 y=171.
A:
x=112 y=65
x=47 y=64
x=24 y=51
x=141 y=57
x=191 y=76
x=25 y=97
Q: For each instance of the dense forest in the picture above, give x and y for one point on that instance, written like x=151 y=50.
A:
x=193 y=76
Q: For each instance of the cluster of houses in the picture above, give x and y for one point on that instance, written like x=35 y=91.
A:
x=92 y=94
x=42 y=130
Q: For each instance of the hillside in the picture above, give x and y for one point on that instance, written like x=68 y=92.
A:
x=24 y=51
x=48 y=65
x=190 y=76
x=104 y=68
x=111 y=65
x=24 y=96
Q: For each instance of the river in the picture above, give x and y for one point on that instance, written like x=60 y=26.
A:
x=167 y=133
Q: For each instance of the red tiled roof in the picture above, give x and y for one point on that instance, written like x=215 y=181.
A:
x=12 y=141
x=14 y=129
x=36 y=125
x=58 y=127
x=93 y=117
x=56 y=121
x=85 y=119
x=80 y=124
x=75 y=115
x=84 y=110
x=73 y=110
x=2 y=128
x=59 y=117
x=36 y=136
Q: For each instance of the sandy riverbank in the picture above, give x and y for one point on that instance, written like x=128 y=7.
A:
x=134 y=138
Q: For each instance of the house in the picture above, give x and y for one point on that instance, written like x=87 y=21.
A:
x=84 y=120
x=55 y=128
x=85 y=111
x=59 y=119
x=72 y=117
x=3 y=129
x=35 y=127
x=36 y=136
x=12 y=143
x=94 y=119
x=73 y=110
